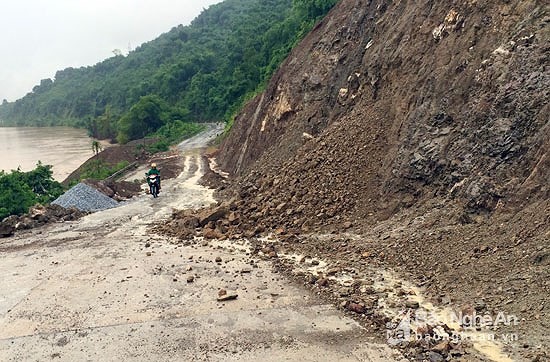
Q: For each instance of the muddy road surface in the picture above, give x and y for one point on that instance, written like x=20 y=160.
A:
x=105 y=288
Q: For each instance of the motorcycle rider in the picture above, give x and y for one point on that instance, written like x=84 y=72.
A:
x=153 y=171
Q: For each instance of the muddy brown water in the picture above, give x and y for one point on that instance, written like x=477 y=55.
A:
x=64 y=148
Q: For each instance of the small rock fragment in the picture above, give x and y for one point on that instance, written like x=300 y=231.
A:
x=411 y=304
x=227 y=296
x=356 y=308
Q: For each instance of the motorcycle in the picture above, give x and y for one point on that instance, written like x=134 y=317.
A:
x=153 y=181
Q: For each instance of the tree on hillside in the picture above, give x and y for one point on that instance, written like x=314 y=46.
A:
x=41 y=182
x=104 y=126
x=145 y=117
x=96 y=147
x=313 y=9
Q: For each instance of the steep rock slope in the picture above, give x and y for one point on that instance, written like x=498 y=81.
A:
x=423 y=128
x=404 y=100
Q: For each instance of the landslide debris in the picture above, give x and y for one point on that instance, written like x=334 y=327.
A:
x=37 y=216
x=134 y=151
x=416 y=135
x=117 y=190
x=372 y=112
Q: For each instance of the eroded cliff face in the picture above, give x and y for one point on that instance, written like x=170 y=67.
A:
x=388 y=103
x=410 y=135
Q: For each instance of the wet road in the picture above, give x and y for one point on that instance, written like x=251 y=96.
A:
x=105 y=288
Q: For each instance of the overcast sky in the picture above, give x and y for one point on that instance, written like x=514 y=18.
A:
x=40 y=37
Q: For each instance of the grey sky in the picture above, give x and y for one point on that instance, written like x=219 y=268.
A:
x=40 y=37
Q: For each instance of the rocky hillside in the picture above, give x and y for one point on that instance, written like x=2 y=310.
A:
x=387 y=103
x=418 y=134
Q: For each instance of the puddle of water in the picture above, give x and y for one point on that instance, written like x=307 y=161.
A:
x=306 y=265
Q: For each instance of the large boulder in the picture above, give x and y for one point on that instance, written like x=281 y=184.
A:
x=213 y=215
x=7 y=227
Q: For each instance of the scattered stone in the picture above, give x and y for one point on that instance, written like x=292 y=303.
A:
x=212 y=215
x=190 y=279
x=63 y=341
x=212 y=234
x=6 y=230
x=356 y=308
x=37 y=216
x=480 y=306
x=227 y=296
x=442 y=348
x=435 y=357
x=323 y=282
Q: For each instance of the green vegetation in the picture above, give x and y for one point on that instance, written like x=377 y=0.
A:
x=145 y=117
x=196 y=73
x=172 y=133
x=97 y=169
x=21 y=190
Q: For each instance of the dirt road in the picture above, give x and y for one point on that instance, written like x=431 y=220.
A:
x=105 y=289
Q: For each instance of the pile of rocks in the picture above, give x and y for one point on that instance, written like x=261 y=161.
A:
x=85 y=198
x=38 y=215
x=228 y=220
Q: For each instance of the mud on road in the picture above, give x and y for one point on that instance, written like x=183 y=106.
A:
x=105 y=288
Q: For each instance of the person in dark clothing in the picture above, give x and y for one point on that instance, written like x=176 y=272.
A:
x=153 y=171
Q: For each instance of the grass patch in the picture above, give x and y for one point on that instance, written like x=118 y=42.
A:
x=99 y=170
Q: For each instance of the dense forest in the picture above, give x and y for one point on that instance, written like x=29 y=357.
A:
x=196 y=73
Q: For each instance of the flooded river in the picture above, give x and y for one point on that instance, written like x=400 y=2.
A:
x=62 y=147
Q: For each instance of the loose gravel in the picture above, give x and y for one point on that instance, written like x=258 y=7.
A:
x=85 y=198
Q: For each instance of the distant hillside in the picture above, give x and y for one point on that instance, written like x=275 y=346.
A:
x=199 y=72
